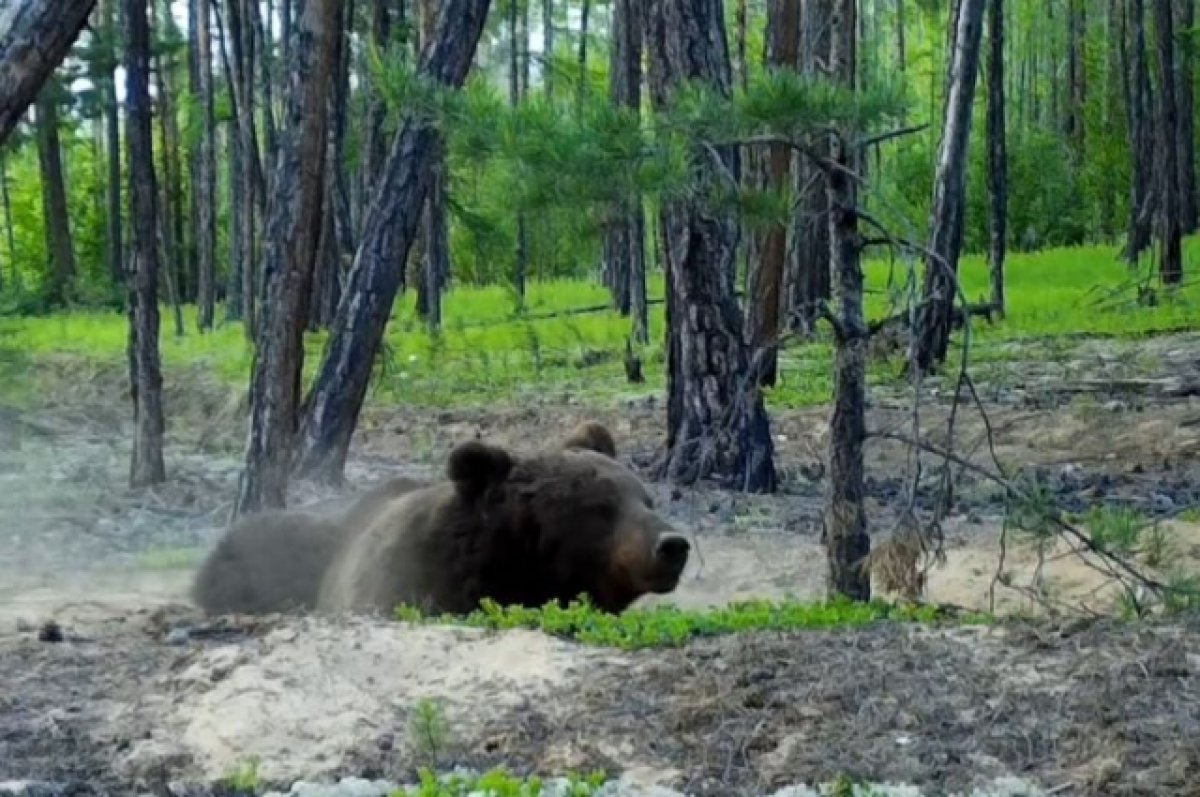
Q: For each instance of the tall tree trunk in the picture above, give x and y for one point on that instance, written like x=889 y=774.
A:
x=171 y=185
x=847 y=543
x=717 y=425
x=807 y=279
x=375 y=141
x=521 y=262
x=1141 y=139
x=293 y=227
x=1076 y=78
x=1170 y=262
x=740 y=72
x=434 y=263
x=234 y=306
x=548 y=46
x=341 y=383
x=997 y=167
x=204 y=192
x=949 y=193
x=114 y=249
x=765 y=302
x=901 y=45
x=1189 y=213
x=624 y=89
x=59 y=247
x=585 y=11
x=35 y=36
x=9 y=231
x=146 y=464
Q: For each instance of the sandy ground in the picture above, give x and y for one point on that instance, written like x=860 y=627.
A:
x=130 y=697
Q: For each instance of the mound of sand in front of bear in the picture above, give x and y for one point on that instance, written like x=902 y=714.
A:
x=307 y=696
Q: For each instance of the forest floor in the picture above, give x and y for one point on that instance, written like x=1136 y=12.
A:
x=144 y=691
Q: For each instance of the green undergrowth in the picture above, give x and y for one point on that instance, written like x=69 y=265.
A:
x=669 y=626
x=498 y=782
x=488 y=351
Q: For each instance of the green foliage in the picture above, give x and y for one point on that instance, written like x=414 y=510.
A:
x=496 y=783
x=428 y=729
x=1114 y=529
x=667 y=626
x=245 y=777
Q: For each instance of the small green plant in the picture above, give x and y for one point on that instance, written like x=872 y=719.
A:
x=668 y=626
x=245 y=778
x=1114 y=529
x=428 y=730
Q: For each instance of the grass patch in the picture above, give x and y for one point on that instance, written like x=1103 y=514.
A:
x=487 y=351
x=669 y=626
x=500 y=783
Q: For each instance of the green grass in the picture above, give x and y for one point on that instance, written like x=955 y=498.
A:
x=496 y=783
x=487 y=353
x=668 y=626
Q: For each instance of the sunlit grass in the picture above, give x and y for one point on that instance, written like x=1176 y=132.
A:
x=487 y=351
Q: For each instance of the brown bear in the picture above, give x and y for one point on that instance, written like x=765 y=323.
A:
x=521 y=530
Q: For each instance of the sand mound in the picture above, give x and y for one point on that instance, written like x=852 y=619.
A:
x=305 y=696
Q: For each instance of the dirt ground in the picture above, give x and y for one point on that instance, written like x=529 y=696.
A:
x=143 y=691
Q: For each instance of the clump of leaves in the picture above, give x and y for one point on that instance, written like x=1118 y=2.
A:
x=669 y=626
x=1114 y=529
x=497 y=783
x=245 y=778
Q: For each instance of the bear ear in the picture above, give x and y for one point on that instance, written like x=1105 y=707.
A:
x=475 y=466
x=592 y=436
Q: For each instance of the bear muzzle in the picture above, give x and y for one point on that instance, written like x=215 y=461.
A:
x=670 y=558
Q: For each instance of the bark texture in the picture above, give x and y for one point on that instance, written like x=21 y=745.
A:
x=35 y=36
x=717 y=425
x=293 y=228
x=1170 y=251
x=997 y=158
x=60 y=249
x=949 y=192
x=1141 y=136
x=766 y=271
x=205 y=191
x=847 y=543
x=390 y=226
x=146 y=465
x=1189 y=212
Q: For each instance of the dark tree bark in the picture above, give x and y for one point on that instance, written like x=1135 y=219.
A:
x=1189 y=213
x=901 y=45
x=548 y=46
x=293 y=227
x=180 y=281
x=585 y=11
x=997 y=167
x=234 y=159
x=765 y=300
x=344 y=374
x=60 y=249
x=1076 y=78
x=717 y=425
x=205 y=190
x=375 y=140
x=146 y=465
x=1170 y=255
x=807 y=279
x=114 y=248
x=9 y=231
x=434 y=262
x=1141 y=138
x=35 y=36
x=624 y=240
x=521 y=262
x=847 y=543
x=949 y=193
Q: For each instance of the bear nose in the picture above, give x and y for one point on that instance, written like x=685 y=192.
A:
x=673 y=549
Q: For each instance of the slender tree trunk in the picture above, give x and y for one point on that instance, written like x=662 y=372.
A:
x=548 y=46
x=997 y=171
x=766 y=275
x=521 y=263
x=341 y=383
x=293 y=227
x=205 y=191
x=717 y=425
x=807 y=280
x=114 y=250
x=1170 y=263
x=1142 y=193
x=375 y=141
x=234 y=307
x=1076 y=78
x=9 y=230
x=35 y=36
x=585 y=11
x=60 y=249
x=146 y=465
x=740 y=72
x=1189 y=213
x=847 y=543
x=171 y=185
x=901 y=45
x=949 y=193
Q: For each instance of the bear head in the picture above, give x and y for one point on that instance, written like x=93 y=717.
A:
x=569 y=520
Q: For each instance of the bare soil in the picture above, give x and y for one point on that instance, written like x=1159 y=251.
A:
x=143 y=691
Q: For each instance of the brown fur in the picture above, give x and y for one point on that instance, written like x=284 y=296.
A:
x=518 y=530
